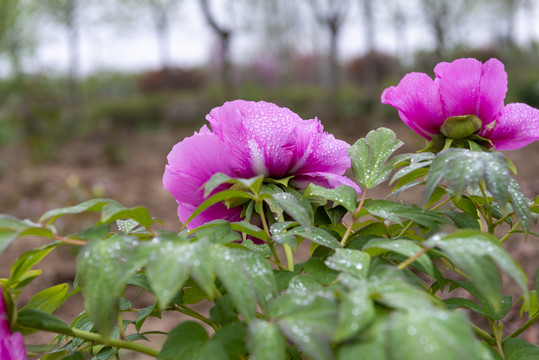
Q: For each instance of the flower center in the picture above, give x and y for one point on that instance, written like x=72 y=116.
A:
x=459 y=127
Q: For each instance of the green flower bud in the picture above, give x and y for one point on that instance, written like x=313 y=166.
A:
x=459 y=127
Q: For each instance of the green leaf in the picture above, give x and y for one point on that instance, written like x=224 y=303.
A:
x=519 y=349
x=308 y=320
x=369 y=156
x=98 y=232
x=343 y=195
x=26 y=261
x=317 y=235
x=212 y=350
x=216 y=198
x=391 y=211
x=232 y=337
x=265 y=341
x=113 y=212
x=293 y=208
x=261 y=275
x=11 y=228
x=94 y=205
x=407 y=248
x=235 y=277
x=223 y=311
x=351 y=261
x=433 y=334
x=473 y=252
x=168 y=269
x=219 y=179
x=37 y=319
x=143 y=314
x=103 y=269
x=462 y=168
x=218 y=232
x=355 y=313
x=184 y=342
x=410 y=171
x=48 y=300
x=520 y=205
x=462 y=220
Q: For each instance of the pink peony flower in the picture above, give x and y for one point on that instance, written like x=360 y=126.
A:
x=464 y=87
x=11 y=345
x=249 y=139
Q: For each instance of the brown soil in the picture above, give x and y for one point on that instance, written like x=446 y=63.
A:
x=84 y=170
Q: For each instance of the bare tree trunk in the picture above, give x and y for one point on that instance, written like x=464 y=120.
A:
x=369 y=71
x=224 y=36
x=334 y=78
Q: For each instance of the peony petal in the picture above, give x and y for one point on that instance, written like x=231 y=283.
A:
x=418 y=101
x=493 y=88
x=16 y=347
x=458 y=83
x=316 y=150
x=517 y=126
x=258 y=133
x=4 y=321
x=325 y=179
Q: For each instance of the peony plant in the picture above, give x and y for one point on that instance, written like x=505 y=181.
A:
x=258 y=187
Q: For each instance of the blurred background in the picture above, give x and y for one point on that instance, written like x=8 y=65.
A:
x=94 y=93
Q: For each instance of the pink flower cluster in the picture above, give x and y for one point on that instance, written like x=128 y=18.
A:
x=11 y=345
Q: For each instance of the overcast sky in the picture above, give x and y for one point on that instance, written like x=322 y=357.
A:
x=106 y=48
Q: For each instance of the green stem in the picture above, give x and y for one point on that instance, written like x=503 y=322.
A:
x=497 y=336
x=488 y=218
x=98 y=338
x=289 y=257
x=484 y=335
x=405 y=230
x=351 y=225
x=194 y=314
x=524 y=327
x=506 y=236
x=412 y=258
x=266 y=230
x=441 y=203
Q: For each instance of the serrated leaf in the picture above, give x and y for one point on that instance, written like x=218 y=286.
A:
x=265 y=341
x=184 y=342
x=351 y=261
x=407 y=248
x=433 y=334
x=369 y=156
x=473 y=252
x=343 y=195
x=462 y=168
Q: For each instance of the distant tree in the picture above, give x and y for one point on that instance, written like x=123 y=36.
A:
x=331 y=15
x=442 y=16
x=162 y=12
x=67 y=14
x=234 y=17
x=16 y=32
